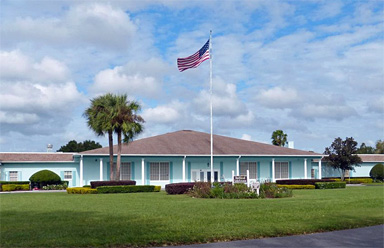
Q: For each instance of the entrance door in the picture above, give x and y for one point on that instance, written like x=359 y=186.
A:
x=204 y=175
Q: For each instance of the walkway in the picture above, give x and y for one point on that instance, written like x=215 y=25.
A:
x=360 y=237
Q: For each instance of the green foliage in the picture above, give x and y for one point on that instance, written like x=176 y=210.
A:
x=279 y=138
x=73 y=146
x=157 y=189
x=355 y=180
x=11 y=182
x=45 y=177
x=55 y=187
x=379 y=147
x=271 y=190
x=292 y=186
x=364 y=149
x=13 y=187
x=330 y=185
x=81 y=190
x=125 y=189
x=377 y=172
x=342 y=155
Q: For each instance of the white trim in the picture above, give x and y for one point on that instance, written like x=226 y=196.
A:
x=305 y=168
x=142 y=172
x=101 y=169
x=238 y=166
x=273 y=170
x=320 y=176
x=81 y=171
x=184 y=168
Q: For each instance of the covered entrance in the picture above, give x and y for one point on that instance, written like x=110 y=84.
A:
x=204 y=175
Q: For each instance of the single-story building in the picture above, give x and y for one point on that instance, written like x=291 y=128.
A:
x=182 y=156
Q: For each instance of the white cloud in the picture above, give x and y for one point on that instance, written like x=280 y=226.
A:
x=246 y=137
x=163 y=114
x=376 y=105
x=278 y=98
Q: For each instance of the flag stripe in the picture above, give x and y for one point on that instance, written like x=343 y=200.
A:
x=195 y=59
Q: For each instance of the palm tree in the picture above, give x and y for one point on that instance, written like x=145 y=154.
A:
x=279 y=138
x=98 y=117
x=125 y=122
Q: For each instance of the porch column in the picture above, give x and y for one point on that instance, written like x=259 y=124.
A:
x=238 y=166
x=81 y=171
x=273 y=170
x=101 y=169
x=320 y=177
x=184 y=168
x=305 y=168
x=142 y=172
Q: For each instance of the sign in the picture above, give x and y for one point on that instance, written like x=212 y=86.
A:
x=240 y=179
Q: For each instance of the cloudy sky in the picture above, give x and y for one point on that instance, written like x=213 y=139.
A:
x=314 y=69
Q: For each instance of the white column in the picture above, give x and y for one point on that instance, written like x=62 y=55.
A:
x=233 y=176
x=142 y=172
x=247 y=178
x=305 y=168
x=320 y=168
x=184 y=168
x=101 y=169
x=238 y=166
x=273 y=170
x=81 y=171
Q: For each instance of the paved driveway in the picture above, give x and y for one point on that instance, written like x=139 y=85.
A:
x=361 y=237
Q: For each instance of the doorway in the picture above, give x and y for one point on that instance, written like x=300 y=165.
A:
x=204 y=175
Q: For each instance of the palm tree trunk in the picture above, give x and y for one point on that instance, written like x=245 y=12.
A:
x=110 y=139
x=118 y=155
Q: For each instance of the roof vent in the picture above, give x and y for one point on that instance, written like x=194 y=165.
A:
x=49 y=147
x=291 y=144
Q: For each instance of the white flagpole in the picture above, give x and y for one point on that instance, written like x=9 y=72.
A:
x=210 y=77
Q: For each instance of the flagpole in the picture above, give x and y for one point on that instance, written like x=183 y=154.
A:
x=210 y=80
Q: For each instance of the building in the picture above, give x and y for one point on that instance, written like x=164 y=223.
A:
x=182 y=156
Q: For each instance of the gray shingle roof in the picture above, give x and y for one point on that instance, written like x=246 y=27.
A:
x=188 y=142
x=35 y=157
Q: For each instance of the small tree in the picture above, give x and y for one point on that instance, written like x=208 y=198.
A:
x=379 y=147
x=279 y=138
x=73 y=146
x=342 y=155
x=45 y=177
x=377 y=172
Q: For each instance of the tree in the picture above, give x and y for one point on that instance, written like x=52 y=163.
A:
x=99 y=116
x=379 y=147
x=73 y=146
x=342 y=155
x=364 y=149
x=125 y=121
x=279 y=138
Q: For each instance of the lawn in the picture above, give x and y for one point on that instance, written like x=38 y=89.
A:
x=148 y=219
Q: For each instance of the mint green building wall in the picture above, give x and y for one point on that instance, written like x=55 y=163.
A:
x=360 y=171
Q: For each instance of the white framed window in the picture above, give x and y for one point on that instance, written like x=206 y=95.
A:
x=159 y=171
x=281 y=170
x=251 y=166
x=125 y=171
x=13 y=176
x=67 y=175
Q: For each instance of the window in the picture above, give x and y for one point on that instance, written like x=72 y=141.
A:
x=159 y=171
x=251 y=166
x=125 y=171
x=67 y=175
x=281 y=170
x=13 y=176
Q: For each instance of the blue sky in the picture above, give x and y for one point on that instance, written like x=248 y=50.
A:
x=314 y=69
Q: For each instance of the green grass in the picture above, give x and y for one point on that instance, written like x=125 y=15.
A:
x=148 y=219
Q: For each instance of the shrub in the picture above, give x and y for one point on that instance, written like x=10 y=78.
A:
x=44 y=177
x=330 y=185
x=178 y=188
x=377 y=172
x=355 y=180
x=11 y=182
x=125 y=189
x=14 y=187
x=199 y=190
x=96 y=184
x=271 y=190
x=55 y=187
x=157 y=189
x=86 y=186
x=302 y=181
x=81 y=190
x=222 y=190
x=292 y=186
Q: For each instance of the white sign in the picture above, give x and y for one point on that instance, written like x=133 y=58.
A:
x=240 y=179
x=255 y=185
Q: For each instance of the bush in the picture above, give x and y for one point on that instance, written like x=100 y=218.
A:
x=125 y=189
x=11 y=182
x=222 y=191
x=292 y=186
x=14 y=187
x=355 y=180
x=199 y=190
x=81 y=190
x=55 y=187
x=302 y=181
x=157 y=189
x=271 y=190
x=377 y=172
x=330 y=185
x=96 y=184
x=178 y=188
x=86 y=186
x=44 y=177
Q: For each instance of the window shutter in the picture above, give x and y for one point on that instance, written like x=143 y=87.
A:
x=189 y=171
x=109 y=171
x=221 y=171
x=258 y=171
x=133 y=170
x=171 y=172
x=19 y=177
x=148 y=174
x=270 y=170
x=73 y=178
x=290 y=170
x=62 y=175
x=7 y=176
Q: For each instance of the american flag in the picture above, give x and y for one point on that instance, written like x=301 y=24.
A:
x=194 y=60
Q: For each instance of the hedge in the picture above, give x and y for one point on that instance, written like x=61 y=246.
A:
x=13 y=187
x=44 y=177
x=330 y=185
x=302 y=181
x=377 y=172
x=11 y=182
x=157 y=189
x=355 y=180
x=178 y=188
x=81 y=190
x=96 y=184
x=125 y=189
x=292 y=186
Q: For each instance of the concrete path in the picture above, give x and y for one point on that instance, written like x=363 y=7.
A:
x=32 y=191
x=361 y=237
